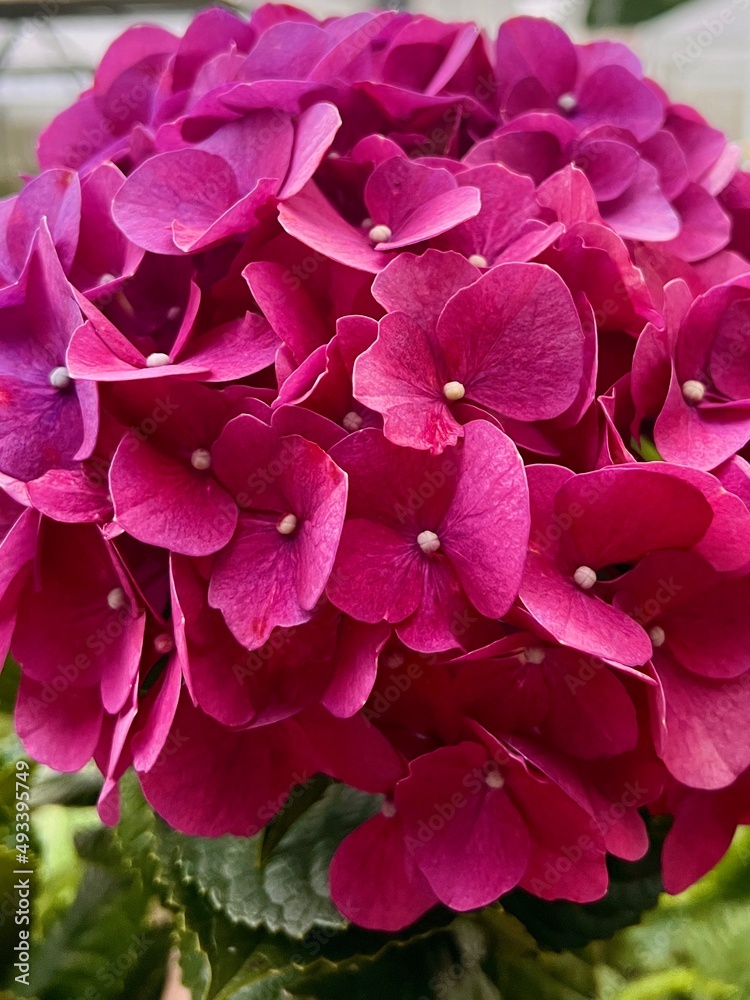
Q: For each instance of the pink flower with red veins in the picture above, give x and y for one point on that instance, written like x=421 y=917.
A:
x=427 y=537
x=47 y=420
x=292 y=499
x=85 y=662
x=466 y=825
x=693 y=377
x=590 y=528
x=701 y=708
x=509 y=341
x=406 y=203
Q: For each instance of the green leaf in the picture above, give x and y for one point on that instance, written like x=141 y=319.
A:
x=289 y=893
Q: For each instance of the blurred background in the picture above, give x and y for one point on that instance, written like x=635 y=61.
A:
x=696 y=49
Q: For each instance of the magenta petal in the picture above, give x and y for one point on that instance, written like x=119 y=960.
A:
x=420 y=286
x=486 y=531
x=496 y=337
x=479 y=821
x=371 y=557
x=311 y=218
x=706 y=742
x=194 y=781
x=699 y=837
x=164 y=501
x=315 y=131
x=58 y=729
x=189 y=185
x=355 y=666
x=399 y=378
x=670 y=513
x=374 y=879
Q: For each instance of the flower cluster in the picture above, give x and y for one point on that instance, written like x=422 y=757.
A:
x=375 y=401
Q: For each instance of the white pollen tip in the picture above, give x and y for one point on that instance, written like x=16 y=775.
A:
x=59 y=378
x=693 y=391
x=157 y=359
x=585 y=577
x=116 y=598
x=352 y=421
x=380 y=234
x=567 y=102
x=454 y=391
x=388 y=809
x=201 y=459
x=173 y=313
x=428 y=541
x=478 y=260
x=333 y=155
x=494 y=779
x=287 y=524
x=535 y=654
x=657 y=636
x=106 y=278
x=164 y=643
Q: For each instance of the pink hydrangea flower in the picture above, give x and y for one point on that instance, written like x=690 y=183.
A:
x=384 y=412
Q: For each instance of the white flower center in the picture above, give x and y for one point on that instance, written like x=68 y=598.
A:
x=534 y=654
x=380 y=234
x=116 y=598
x=454 y=391
x=157 y=359
x=352 y=421
x=494 y=779
x=164 y=643
x=693 y=391
x=657 y=636
x=478 y=260
x=567 y=102
x=201 y=459
x=428 y=541
x=585 y=577
x=287 y=524
x=59 y=378
x=388 y=809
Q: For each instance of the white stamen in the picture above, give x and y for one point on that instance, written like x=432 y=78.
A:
x=366 y=223
x=333 y=155
x=534 y=654
x=201 y=459
x=657 y=636
x=380 y=234
x=352 y=421
x=388 y=809
x=59 y=378
x=164 y=643
x=585 y=577
x=116 y=598
x=157 y=359
x=478 y=260
x=567 y=102
x=494 y=779
x=173 y=313
x=454 y=391
x=428 y=542
x=693 y=390
x=287 y=524
x=106 y=278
